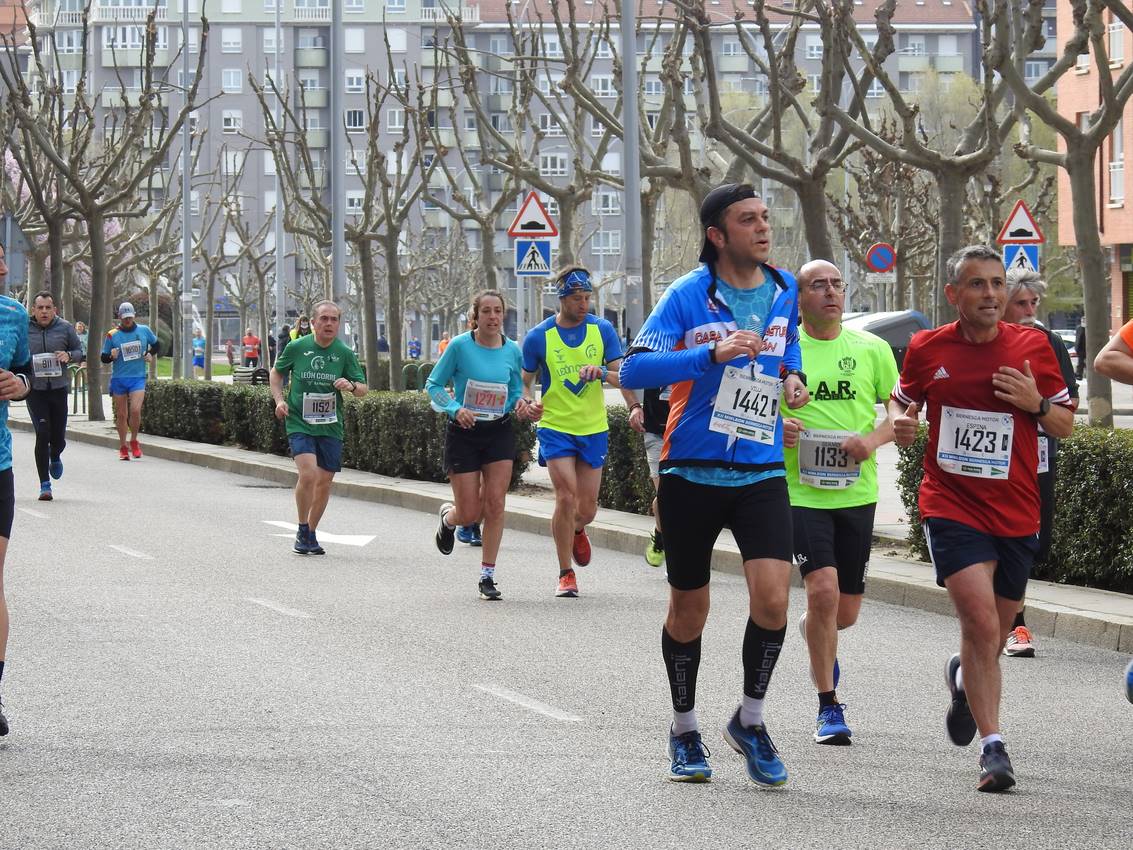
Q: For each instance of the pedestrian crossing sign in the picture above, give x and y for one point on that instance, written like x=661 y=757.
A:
x=1021 y=257
x=532 y=257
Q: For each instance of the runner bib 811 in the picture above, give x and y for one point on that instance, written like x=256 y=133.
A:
x=46 y=365
x=975 y=442
x=747 y=406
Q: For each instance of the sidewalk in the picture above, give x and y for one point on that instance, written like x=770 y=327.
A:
x=1096 y=617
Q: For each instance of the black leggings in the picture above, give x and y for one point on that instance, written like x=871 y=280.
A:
x=49 y=415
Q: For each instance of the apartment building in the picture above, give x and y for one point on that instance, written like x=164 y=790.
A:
x=933 y=36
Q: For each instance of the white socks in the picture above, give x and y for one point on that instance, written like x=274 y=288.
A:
x=684 y=721
x=751 y=711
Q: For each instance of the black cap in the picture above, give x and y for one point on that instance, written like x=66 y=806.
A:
x=712 y=211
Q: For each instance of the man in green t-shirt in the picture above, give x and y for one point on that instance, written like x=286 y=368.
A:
x=322 y=367
x=832 y=475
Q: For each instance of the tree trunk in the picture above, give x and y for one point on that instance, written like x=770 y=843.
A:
x=55 y=247
x=178 y=361
x=952 y=190
x=35 y=279
x=210 y=321
x=69 y=293
x=265 y=328
x=155 y=319
x=369 y=310
x=488 y=255
x=567 y=211
x=99 y=313
x=1080 y=162
x=812 y=201
x=648 y=228
x=899 y=247
x=394 y=311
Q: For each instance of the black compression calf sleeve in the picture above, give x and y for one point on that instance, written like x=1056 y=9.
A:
x=682 y=660
x=761 y=651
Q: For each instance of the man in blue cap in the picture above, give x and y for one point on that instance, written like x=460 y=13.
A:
x=573 y=353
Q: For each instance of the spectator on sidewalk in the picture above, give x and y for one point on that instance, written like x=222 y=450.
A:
x=251 y=348
x=81 y=331
x=1080 y=349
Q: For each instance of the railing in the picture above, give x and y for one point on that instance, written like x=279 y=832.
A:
x=1117 y=181
x=44 y=19
x=433 y=14
x=107 y=14
x=311 y=13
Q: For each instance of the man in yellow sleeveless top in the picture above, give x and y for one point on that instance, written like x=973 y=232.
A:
x=573 y=353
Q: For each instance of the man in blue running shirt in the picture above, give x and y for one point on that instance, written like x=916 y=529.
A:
x=15 y=365
x=128 y=348
x=725 y=336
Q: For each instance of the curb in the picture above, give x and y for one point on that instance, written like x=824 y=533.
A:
x=1051 y=608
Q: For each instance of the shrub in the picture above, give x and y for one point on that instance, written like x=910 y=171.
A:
x=625 y=479
x=185 y=410
x=1093 y=508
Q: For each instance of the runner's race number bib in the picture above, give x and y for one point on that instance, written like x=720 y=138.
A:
x=320 y=408
x=131 y=350
x=1044 y=453
x=485 y=400
x=747 y=406
x=975 y=442
x=823 y=463
x=46 y=365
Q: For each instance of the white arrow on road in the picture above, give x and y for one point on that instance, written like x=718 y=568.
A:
x=325 y=536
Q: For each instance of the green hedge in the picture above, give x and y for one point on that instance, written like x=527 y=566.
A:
x=625 y=479
x=1093 y=508
x=395 y=434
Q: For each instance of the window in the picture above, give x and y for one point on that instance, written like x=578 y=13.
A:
x=354 y=199
x=470 y=121
x=184 y=80
x=607 y=242
x=231 y=7
x=1033 y=70
x=500 y=85
x=398 y=40
x=310 y=38
x=551 y=206
x=233 y=162
x=814 y=47
x=355 y=120
x=915 y=46
x=653 y=87
x=689 y=85
x=121 y=38
x=500 y=45
x=597 y=128
x=354 y=40
x=612 y=163
x=1117 y=165
x=395 y=119
x=231 y=40
x=606 y=202
x=232 y=81
x=355 y=81
x=603 y=85
x=876 y=89
x=269 y=163
x=161 y=38
x=395 y=5
x=548 y=82
x=232 y=120
x=549 y=125
x=354 y=5
x=731 y=47
x=313 y=121
x=651 y=118
x=194 y=202
x=553 y=165
x=814 y=82
x=604 y=50
x=309 y=80
x=759 y=86
x=946 y=45
x=552 y=47
x=501 y=122
x=1083 y=63
x=269 y=39
x=269 y=5
x=269 y=202
x=1116 y=46
x=70 y=81
x=399 y=78
x=69 y=41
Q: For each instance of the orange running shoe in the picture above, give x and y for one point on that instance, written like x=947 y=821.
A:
x=568 y=586
x=136 y=448
x=123 y=453
x=1020 y=643
x=581 y=548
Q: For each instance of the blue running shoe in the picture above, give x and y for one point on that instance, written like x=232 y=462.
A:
x=464 y=533
x=45 y=491
x=56 y=468
x=958 y=719
x=477 y=540
x=689 y=758
x=764 y=767
x=313 y=547
x=301 y=546
x=837 y=666
x=831 y=727
x=1129 y=681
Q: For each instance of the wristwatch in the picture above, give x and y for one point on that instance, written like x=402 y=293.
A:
x=712 y=351
x=797 y=372
x=1044 y=409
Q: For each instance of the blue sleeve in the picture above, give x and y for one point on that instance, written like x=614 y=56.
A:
x=793 y=356
x=611 y=342
x=515 y=384
x=107 y=344
x=438 y=380
x=643 y=369
x=534 y=349
x=21 y=357
x=151 y=340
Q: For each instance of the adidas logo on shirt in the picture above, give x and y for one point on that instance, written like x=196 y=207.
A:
x=940 y=374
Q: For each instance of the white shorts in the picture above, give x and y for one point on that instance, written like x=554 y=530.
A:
x=653 y=444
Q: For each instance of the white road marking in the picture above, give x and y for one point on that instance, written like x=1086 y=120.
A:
x=280 y=609
x=325 y=536
x=35 y=514
x=133 y=553
x=529 y=703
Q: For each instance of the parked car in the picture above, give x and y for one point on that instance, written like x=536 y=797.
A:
x=1067 y=335
x=895 y=327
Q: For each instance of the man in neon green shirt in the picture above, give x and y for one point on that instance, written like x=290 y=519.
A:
x=832 y=475
x=573 y=353
x=322 y=368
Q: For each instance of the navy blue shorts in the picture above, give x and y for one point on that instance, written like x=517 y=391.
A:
x=954 y=546
x=125 y=386
x=327 y=450
x=591 y=448
x=199 y=361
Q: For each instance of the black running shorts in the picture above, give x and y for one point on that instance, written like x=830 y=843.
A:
x=469 y=449
x=7 y=502
x=693 y=515
x=838 y=538
x=954 y=546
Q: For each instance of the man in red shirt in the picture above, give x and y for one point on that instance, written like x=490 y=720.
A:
x=251 y=344
x=987 y=385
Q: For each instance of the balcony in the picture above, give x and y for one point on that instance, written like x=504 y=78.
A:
x=106 y=14
x=317 y=137
x=311 y=57
x=912 y=63
x=439 y=14
x=1117 y=182
x=733 y=64
x=133 y=57
x=45 y=19
x=309 y=14
x=443 y=137
x=949 y=64
x=118 y=97
x=319 y=181
x=314 y=98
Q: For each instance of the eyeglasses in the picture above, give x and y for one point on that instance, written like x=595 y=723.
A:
x=823 y=284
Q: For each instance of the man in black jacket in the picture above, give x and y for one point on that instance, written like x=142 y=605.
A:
x=54 y=345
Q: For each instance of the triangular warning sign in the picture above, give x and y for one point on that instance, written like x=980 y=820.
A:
x=532 y=220
x=1020 y=228
x=533 y=261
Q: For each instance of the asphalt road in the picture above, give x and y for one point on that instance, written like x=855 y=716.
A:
x=200 y=686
